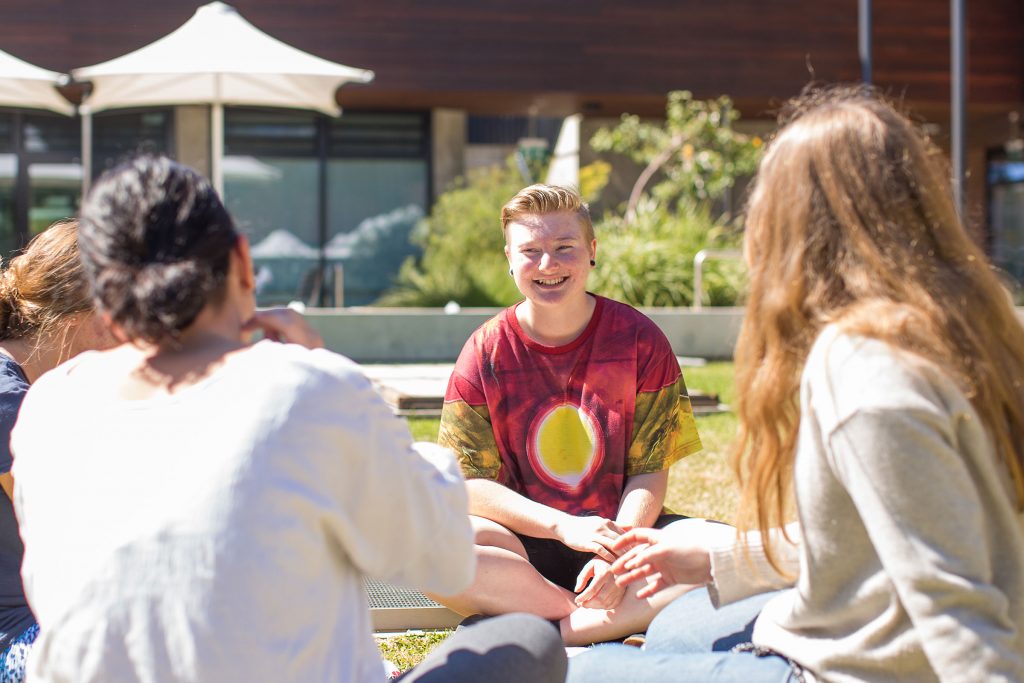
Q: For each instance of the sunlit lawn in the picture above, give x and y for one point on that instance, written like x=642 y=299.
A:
x=701 y=485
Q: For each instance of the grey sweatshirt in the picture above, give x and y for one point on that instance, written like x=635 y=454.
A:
x=909 y=550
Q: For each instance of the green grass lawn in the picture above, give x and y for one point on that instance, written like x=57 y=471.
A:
x=406 y=651
x=701 y=485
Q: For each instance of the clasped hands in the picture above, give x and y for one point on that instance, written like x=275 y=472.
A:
x=660 y=557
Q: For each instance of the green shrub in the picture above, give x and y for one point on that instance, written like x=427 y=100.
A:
x=650 y=262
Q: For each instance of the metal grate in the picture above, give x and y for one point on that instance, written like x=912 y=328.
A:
x=384 y=595
x=398 y=609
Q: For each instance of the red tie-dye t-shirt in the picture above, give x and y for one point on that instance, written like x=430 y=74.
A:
x=565 y=426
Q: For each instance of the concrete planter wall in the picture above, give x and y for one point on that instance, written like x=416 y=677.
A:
x=424 y=335
x=420 y=335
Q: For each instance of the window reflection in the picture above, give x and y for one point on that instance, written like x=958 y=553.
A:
x=373 y=206
x=8 y=177
x=376 y=178
x=56 y=191
x=51 y=134
x=274 y=201
x=118 y=136
x=51 y=182
x=1006 y=215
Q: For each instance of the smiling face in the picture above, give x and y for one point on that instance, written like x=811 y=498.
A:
x=550 y=258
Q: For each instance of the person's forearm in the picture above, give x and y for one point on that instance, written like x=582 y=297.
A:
x=642 y=499
x=496 y=502
x=739 y=573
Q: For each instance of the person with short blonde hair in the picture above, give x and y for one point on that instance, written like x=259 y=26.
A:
x=880 y=371
x=566 y=411
x=546 y=199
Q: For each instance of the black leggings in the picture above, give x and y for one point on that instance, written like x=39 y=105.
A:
x=512 y=648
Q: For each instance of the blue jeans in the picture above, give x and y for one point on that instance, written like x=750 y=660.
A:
x=688 y=641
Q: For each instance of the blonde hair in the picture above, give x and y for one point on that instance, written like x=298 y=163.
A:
x=539 y=199
x=44 y=285
x=851 y=221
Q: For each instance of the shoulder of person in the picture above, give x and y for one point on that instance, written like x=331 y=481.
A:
x=12 y=378
x=636 y=319
x=652 y=343
x=53 y=380
x=851 y=373
x=326 y=365
x=489 y=336
x=494 y=327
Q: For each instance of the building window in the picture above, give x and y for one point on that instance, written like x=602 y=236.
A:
x=41 y=169
x=8 y=182
x=119 y=135
x=328 y=204
x=40 y=174
x=509 y=130
x=1006 y=215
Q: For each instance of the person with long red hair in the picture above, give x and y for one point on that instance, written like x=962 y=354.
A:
x=881 y=445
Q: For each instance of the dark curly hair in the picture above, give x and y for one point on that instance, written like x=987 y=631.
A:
x=155 y=242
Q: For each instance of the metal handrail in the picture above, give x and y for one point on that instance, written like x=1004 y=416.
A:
x=698 y=270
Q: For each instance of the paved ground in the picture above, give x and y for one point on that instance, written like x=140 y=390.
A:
x=414 y=388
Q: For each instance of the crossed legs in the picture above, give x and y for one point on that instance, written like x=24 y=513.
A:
x=506 y=581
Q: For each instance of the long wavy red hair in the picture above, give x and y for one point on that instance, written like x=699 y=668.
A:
x=851 y=221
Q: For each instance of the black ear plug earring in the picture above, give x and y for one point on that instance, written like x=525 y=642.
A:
x=509 y=271
x=593 y=262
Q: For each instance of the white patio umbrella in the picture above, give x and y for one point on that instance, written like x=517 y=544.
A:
x=26 y=85
x=215 y=58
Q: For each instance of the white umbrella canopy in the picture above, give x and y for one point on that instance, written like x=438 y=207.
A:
x=218 y=58
x=26 y=85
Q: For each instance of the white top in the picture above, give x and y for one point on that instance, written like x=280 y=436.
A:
x=911 y=564
x=222 y=533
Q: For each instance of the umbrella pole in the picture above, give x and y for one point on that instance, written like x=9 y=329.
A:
x=85 y=113
x=217 y=147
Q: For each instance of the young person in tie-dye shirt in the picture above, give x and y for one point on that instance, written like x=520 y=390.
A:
x=566 y=412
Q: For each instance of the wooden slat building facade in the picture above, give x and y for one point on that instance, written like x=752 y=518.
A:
x=452 y=62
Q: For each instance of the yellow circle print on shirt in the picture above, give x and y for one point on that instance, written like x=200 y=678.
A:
x=564 y=446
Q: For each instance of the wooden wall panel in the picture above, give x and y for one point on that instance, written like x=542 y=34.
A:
x=492 y=55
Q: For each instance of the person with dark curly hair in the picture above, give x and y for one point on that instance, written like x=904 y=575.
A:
x=207 y=508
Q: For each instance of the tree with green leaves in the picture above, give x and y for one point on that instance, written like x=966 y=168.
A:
x=694 y=156
x=645 y=254
x=689 y=160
